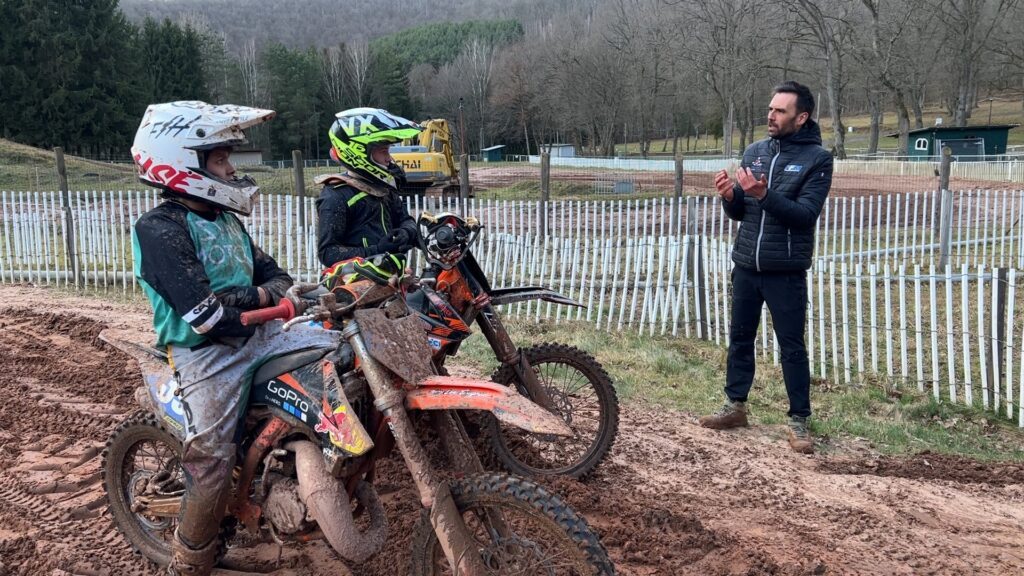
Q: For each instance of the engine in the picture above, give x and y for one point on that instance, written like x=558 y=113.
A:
x=284 y=509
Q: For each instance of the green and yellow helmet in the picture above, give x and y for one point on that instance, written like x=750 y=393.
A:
x=357 y=130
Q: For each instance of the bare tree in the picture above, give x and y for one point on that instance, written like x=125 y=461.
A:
x=516 y=93
x=829 y=33
x=477 y=62
x=729 y=43
x=885 y=55
x=875 y=104
x=252 y=84
x=333 y=75
x=968 y=26
x=358 y=60
x=638 y=31
x=1010 y=44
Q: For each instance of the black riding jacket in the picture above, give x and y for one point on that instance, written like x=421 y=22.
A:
x=777 y=232
x=353 y=223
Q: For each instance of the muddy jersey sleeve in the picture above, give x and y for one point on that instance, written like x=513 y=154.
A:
x=170 y=267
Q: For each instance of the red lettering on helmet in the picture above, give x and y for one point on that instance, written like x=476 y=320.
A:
x=178 y=183
x=169 y=176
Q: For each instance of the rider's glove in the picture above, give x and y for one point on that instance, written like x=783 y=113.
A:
x=244 y=297
x=400 y=236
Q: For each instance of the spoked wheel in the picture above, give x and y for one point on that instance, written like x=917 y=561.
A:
x=583 y=395
x=519 y=529
x=142 y=462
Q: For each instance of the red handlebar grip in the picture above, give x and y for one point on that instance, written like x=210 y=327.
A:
x=285 y=310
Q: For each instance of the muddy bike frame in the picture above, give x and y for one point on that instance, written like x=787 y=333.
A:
x=385 y=349
x=466 y=288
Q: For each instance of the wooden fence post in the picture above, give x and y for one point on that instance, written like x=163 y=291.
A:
x=463 y=179
x=298 y=167
x=69 y=229
x=545 y=191
x=946 y=210
x=945 y=160
x=696 y=264
x=677 y=197
x=300 y=187
x=1000 y=276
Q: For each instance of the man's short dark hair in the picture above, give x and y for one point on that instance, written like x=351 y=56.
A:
x=804 y=98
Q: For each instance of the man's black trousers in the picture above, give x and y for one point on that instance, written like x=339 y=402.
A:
x=786 y=296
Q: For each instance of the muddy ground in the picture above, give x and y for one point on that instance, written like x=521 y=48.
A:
x=672 y=499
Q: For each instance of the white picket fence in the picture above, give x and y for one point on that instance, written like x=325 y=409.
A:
x=877 y=304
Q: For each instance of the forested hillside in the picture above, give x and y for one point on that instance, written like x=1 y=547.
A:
x=323 y=23
x=594 y=73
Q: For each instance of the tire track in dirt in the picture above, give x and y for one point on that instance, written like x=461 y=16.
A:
x=673 y=498
x=61 y=401
x=87 y=546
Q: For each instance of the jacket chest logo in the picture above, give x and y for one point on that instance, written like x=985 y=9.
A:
x=793 y=168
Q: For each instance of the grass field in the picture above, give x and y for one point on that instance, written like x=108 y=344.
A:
x=686 y=374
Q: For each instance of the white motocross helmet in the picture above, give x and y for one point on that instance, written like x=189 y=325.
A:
x=173 y=140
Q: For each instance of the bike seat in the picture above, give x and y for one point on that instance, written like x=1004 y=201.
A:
x=287 y=363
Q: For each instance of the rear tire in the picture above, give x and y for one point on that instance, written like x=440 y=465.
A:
x=136 y=451
x=584 y=397
x=547 y=536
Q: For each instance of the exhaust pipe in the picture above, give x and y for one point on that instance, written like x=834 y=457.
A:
x=328 y=503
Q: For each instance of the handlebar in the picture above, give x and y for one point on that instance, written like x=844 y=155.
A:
x=292 y=306
x=285 y=310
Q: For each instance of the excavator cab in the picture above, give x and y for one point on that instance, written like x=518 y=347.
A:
x=429 y=162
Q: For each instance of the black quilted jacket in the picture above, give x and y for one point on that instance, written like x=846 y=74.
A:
x=777 y=232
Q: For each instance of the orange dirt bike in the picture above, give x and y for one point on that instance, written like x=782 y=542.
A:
x=316 y=425
x=453 y=293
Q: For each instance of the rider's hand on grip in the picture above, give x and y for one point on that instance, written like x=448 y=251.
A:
x=285 y=310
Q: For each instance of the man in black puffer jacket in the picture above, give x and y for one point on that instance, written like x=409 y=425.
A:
x=777 y=197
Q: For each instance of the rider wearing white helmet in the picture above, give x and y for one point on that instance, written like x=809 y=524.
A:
x=201 y=270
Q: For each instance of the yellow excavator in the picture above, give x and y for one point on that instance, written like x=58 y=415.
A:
x=428 y=161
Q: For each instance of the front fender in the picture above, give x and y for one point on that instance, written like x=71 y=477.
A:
x=455 y=393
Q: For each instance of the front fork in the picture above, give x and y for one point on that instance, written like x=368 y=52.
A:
x=458 y=545
x=508 y=353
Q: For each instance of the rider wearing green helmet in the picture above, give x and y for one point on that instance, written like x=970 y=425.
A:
x=359 y=213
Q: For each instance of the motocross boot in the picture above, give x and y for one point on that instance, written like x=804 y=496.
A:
x=799 y=437
x=732 y=415
x=188 y=561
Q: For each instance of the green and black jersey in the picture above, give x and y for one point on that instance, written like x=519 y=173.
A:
x=200 y=272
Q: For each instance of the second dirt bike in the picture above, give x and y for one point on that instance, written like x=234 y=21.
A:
x=453 y=294
x=318 y=422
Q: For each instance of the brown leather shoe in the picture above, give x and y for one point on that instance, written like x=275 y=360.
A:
x=799 y=437
x=732 y=415
x=188 y=561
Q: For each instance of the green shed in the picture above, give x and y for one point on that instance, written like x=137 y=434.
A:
x=492 y=153
x=968 y=143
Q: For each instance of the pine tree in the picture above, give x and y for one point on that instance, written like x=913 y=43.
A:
x=76 y=77
x=294 y=83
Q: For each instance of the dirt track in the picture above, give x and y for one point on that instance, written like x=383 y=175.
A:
x=673 y=499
